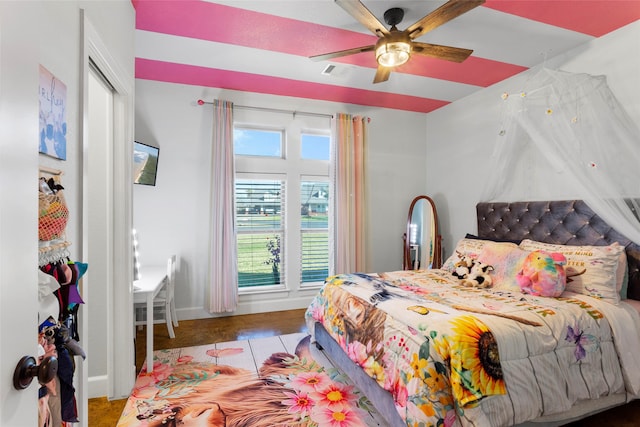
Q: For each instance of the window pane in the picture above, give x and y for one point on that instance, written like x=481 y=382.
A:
x=315 y=147
x=315 y=256
x=314 y=199
x=259 y=204
x=260 y=232
x=259 y=261
x=256 y=142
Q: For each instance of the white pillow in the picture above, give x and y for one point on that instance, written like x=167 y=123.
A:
x=591 y=270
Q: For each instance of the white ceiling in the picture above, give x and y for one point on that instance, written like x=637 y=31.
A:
x=263 y=46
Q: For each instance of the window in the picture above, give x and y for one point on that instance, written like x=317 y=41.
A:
x=260 y=232
x=314 y=230
x=282 y=207
x=315 y=147
x=257 y=142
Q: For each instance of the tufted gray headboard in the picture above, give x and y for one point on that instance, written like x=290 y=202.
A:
x=565 y=222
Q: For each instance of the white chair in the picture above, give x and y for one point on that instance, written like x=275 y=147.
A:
x=165 y=298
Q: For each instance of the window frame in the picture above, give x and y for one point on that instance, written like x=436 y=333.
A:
x=293 y=168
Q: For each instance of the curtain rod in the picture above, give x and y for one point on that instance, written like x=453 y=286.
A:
x=274 y=110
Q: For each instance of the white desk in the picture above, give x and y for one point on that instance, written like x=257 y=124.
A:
x=152 y=279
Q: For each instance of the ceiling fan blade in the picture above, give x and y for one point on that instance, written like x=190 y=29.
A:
x=363 y=15
x=340 y=53
x=382 y=74
x=448 y=53
x=445 y=13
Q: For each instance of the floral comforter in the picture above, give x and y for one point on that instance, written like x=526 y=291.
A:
x=452 y=355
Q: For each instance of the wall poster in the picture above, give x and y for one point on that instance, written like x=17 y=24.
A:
x=53 y=115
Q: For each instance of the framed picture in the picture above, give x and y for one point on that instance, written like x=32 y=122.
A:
x=53 y=115
x=145 y=163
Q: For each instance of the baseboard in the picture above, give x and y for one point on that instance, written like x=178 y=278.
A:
x=247 y=307
x=98 y=386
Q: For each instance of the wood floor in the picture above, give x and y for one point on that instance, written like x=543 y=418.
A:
x=104 y=413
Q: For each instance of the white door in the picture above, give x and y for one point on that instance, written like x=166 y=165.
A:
x=18 y=286
x=18 y=232
x=19 y=161
x=18 y=280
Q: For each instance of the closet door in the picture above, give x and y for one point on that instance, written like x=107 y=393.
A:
x=99 y=217
x=107 y=217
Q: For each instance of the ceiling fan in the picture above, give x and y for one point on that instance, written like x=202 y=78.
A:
x=395 y=47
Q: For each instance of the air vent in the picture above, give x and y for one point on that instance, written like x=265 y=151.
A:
x=328 y=70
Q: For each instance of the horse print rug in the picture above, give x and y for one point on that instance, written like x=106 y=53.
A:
x=264 y=382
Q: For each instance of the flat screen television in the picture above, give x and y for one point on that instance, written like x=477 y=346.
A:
x=145 y=163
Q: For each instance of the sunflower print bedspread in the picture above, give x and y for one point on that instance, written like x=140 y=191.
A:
x=452 y=355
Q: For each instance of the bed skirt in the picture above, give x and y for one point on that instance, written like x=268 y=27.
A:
x=379 y=397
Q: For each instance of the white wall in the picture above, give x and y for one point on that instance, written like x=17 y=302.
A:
x=172 y=216
x=461 y=136
x=47 y=33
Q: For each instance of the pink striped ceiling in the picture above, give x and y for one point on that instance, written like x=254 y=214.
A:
x=263 y=46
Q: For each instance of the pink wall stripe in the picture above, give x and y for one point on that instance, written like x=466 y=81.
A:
x=598 y=19
x=201 y=76
x=242 y=27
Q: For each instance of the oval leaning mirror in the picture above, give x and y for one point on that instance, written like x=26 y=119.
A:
x=422 y=240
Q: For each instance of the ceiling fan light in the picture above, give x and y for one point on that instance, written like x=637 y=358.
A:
x=392 y=54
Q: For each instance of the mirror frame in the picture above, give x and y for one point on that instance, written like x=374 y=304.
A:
x=436 y=262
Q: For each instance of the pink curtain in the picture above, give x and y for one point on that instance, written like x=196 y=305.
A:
x=222 y=274
x=348 y=178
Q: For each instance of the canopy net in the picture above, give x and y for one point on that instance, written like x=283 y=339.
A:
x=565 y=135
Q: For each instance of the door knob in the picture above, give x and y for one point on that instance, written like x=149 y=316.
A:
x=27 y=369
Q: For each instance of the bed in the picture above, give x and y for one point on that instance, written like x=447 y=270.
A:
x=425 y=349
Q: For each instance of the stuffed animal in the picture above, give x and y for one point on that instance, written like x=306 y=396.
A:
x=543 y=274
x=462 y=268
x=479 y=276
x=471 y=272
